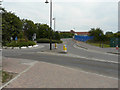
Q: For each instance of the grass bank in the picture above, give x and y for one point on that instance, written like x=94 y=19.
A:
x=98 y=44
x=6 y=76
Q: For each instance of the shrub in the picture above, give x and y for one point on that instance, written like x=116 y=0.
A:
x=20 y=44
x=44 y=40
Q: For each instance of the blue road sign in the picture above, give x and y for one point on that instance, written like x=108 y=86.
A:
x=16 y=39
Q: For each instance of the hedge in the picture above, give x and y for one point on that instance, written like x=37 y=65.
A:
x=20 y=44
x=48 y=41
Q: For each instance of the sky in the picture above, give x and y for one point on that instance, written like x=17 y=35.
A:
x=78 y=15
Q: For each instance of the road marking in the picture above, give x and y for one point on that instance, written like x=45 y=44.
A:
x=76 y=56
x=93 y=50
x=19 y=75
x=80 y=70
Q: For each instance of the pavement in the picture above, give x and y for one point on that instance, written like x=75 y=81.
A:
x=38 y=74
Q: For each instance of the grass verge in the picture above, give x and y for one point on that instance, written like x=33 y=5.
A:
x=98 y=44
x=6 y=76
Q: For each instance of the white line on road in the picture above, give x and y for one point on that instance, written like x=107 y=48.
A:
x=76 y=56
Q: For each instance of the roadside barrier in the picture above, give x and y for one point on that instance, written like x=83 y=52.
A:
x=65 y=48
x=83 y=38
x=117 y=47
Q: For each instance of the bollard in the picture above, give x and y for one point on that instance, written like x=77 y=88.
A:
x=55 y=45
x=117 y=47
x=65 y=48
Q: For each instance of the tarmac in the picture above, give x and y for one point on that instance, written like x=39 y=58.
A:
x=37 y=74
x=86 y=46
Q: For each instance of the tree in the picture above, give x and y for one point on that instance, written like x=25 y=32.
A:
x=11 y=25
x=117 y=35
x=57 y=35
x=29 y=28
x=43 y=31
x=109 y=33
x=66 y=35
x=97 y=33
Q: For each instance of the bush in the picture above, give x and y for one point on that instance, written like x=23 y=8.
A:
x=20 y=44
x=44 y=40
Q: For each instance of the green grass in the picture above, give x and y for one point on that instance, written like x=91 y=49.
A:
x=6 y=76
x=98 y=44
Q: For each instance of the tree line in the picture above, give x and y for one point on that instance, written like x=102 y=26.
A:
x=100 y=36
x=13 y=26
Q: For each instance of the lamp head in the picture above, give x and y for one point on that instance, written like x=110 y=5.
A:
x=46 y=1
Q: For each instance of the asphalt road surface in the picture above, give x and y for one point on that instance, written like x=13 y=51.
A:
x=74 y=49
x=102 y=68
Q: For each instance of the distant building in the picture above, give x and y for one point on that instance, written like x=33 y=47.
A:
x=80 y=33
x=76 y=33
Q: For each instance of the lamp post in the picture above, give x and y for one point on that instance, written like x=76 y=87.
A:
x=54 y=23
x=50 y=23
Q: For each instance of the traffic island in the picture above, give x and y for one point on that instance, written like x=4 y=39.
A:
x=24 y=47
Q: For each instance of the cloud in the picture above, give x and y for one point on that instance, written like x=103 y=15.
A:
x=81 y=16
x=61 y=0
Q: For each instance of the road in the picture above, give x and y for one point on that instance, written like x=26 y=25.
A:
x=74 y=49
x=87 y=65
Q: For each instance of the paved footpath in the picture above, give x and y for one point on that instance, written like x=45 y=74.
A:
x=35 y=74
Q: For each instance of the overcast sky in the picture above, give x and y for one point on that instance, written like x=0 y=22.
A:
x=80 y=15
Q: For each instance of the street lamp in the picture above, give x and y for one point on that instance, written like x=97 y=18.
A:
x=54 y=23
x=46 y=1
x=50 y=23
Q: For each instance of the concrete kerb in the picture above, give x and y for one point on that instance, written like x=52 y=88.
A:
x=64 y=67
x=4 y=47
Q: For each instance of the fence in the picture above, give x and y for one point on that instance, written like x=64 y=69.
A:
x=83 y=38
x=114 y=42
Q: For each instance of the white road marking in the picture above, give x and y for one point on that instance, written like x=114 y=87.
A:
x=76 y=56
